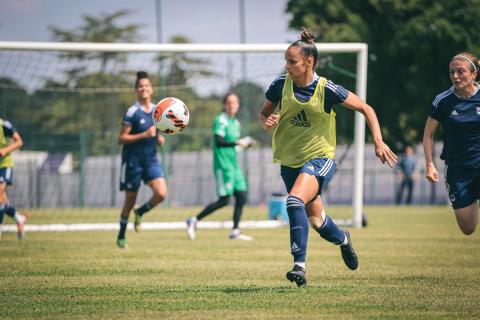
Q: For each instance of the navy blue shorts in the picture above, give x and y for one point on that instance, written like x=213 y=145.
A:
x=463 y=186
x=6 y=175
x=321 y=168
x=134 y=171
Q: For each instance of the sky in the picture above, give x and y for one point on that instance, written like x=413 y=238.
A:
x=201 y=21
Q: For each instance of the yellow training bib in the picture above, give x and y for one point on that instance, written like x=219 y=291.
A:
x=305 y=131
x=7 y=161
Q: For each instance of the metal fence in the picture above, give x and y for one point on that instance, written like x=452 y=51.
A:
x=190 y=181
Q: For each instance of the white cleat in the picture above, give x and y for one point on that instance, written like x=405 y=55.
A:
x=191 y=227
x=236 y=235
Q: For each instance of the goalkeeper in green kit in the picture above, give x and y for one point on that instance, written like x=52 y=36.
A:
x=230 y=179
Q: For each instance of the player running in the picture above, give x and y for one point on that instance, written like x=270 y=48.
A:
x=298 y=106
x=139 y=138
x=229 y=177
x=10 y=140
x=458 y=111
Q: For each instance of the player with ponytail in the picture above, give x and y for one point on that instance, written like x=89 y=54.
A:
x=299 y=108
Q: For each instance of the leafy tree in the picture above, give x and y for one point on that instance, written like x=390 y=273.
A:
x=94 y=104
x=181 y=66
x=97 y=29
x=14 y=101
x=410 y=46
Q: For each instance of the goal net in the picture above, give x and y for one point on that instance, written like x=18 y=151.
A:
x=67 y=101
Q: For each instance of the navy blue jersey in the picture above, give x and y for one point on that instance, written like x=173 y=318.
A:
x=8 y=128
x=334 y=93
x=460 y=120
x=140 y=121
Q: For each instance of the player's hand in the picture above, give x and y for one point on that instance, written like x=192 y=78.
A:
x=384 y=153
x=150 y=132
x=271 y=121
x=160 y=139
x=431 y=173
x=246 y=142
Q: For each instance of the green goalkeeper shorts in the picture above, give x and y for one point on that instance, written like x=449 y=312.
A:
x=230 y=180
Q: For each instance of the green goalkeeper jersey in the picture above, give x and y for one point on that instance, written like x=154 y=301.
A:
x=230 y=130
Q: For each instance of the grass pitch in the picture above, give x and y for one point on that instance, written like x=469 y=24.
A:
x=414 y=263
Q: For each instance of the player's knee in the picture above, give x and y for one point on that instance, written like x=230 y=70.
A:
x=315 y=222
x=240 y=198
x=223 y=201
x=160 y=195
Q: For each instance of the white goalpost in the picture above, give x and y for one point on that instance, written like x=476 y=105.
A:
x=360 y=49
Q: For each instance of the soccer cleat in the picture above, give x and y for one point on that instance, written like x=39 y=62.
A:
x=122 y=243
x=240 y=236
x=137 y=224
x=348 y=253
x=21 y=227
x=191 y=227
x=297 y=275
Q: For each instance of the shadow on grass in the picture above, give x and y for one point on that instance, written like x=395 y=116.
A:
x=235 y=289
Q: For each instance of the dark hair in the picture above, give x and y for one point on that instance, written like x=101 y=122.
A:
x=307 y=45
x=471 y=59
x=140 y=75
x=231 y=93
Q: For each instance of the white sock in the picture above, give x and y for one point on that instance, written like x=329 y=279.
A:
x=18 y=217
x=300 y=264
x=235 y=232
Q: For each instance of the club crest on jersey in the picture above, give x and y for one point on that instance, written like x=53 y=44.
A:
x=300 y=120
x=478 y=110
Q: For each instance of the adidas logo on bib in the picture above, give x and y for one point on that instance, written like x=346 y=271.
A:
x=300 y=120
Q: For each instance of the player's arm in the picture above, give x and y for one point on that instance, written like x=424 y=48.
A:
x=267 y=117
x=428 y=134
x=17 y=143
x=382 y=151
x=125 y=137
x=220 y=142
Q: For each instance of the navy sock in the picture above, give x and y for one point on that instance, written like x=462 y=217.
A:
x=220 y=203
x=144 y=208
x=2 y=212
x=240 y=200
x=331 y=232
x=123 y=227
x=298 y=228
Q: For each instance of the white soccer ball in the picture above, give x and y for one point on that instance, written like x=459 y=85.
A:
x=171 y=115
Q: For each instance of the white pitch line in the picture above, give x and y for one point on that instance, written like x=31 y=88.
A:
x=173 y=225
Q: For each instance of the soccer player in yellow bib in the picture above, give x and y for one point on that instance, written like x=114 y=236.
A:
x=7 y=133
x=298 y=107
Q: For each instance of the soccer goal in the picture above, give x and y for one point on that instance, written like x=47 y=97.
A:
x=67 y=101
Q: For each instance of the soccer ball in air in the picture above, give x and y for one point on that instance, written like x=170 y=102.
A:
x=171 y=115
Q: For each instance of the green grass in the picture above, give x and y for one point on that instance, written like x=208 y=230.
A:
x=414 y=263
